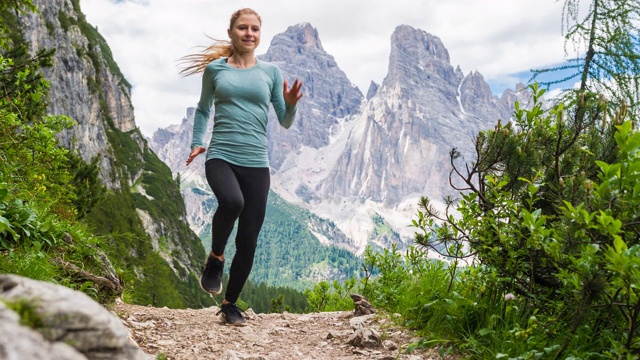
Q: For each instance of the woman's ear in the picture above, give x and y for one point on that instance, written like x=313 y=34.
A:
x=229 y=33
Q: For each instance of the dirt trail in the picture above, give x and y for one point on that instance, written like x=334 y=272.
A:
x=198 y=334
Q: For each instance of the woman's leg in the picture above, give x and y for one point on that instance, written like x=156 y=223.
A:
x=224 y=183
x=254 y=184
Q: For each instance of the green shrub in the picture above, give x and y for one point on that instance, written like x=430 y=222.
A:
x=554 y=222
x=331 y=297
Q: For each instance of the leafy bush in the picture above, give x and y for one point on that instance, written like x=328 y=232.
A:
x=539 y=254
x=550 y=216
x=331 y=297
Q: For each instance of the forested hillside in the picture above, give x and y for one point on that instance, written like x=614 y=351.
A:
x=289 y=254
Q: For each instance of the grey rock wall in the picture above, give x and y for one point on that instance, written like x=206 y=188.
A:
x=423 y=109
x=328 y=93
x=87 y=85
x=74 y=83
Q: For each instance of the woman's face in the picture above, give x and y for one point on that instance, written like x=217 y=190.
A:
x=245 y=33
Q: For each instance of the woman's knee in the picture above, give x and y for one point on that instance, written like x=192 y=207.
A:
x=232 y=206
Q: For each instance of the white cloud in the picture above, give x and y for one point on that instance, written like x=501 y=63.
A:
x=498 y=38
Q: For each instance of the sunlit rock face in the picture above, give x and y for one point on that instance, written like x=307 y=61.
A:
x=84 y=86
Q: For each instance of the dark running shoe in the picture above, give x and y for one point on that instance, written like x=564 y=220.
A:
x=232 y=315
x=211 y=278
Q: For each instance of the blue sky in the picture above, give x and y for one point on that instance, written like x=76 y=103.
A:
x=501 y=39
x=525 y=77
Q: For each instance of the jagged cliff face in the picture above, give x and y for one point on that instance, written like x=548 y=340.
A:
x=422 y=110
x=328 y=95
x=364 y=162
x=82 y=85
x=383 y=159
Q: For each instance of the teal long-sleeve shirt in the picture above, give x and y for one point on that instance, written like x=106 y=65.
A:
x=241 y=98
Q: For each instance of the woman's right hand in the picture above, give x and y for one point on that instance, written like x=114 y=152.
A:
x=195 y=152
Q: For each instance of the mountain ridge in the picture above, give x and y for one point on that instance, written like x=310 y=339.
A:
x=354 y=159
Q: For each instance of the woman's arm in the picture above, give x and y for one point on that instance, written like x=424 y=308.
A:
x=203 y=111
x=201 y=116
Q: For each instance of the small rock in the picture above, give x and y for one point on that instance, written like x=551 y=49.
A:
x=389 y=345
x=358 y=322
x=365 y=338
x=362 y=305
x=361 y=352
x=249 y=314
x=230 y=355
x=414 y=357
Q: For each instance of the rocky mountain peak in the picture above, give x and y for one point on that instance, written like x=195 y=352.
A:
x=373 y=89
x=475 y=91
x=307 y=36
x=419 y=62
x=328 y=93
x=418 y=43
x=414 y=49
x=301 y=37
x=423 y=109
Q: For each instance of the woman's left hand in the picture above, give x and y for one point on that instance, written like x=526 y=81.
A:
x=292 y=95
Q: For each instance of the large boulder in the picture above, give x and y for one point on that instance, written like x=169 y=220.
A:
x=63 y=324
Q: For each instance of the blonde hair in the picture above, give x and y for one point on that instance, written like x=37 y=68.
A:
x=196 y=63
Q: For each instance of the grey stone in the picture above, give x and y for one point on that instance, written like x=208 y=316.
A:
x=68 y=317
x=365 y=338
x=360 y=321
x=390 y=345
x=362 y=305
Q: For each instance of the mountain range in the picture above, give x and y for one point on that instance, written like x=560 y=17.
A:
x=359 y=161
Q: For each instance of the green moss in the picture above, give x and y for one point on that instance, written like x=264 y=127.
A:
x=51 y=30
x=65 y=21
x=92 y=85
x=126 y=150
x=27 y=311
x=96 y=40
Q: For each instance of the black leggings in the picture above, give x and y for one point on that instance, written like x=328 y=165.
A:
x=242 y=195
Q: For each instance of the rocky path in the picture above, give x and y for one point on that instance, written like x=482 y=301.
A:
x=198 y=334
